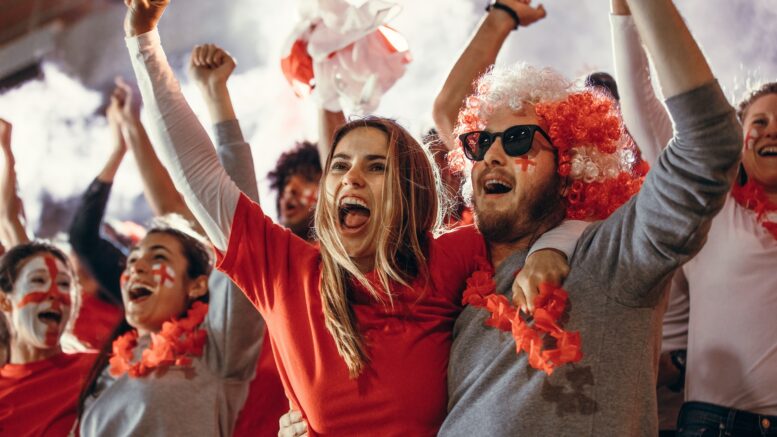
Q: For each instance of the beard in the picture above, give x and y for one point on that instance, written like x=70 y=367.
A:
x=543 y=208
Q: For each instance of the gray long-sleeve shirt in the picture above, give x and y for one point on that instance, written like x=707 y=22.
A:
x=207 y=399
x=618 y=275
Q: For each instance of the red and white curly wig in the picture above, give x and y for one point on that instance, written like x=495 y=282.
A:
x=595 y=154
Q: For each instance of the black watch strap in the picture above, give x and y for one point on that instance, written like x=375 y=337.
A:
x=508 y=10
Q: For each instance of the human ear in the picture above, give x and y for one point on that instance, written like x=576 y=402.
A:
x=197 y=287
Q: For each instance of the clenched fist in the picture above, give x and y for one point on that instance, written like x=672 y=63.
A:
x=143 y=15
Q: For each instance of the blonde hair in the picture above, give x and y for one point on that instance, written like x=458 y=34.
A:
x=410 y=196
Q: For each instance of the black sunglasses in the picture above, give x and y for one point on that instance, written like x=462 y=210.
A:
x=516 y=140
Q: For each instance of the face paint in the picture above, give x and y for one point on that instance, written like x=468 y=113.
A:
x=525 y=163
x=163 y=275
x=58 y=299
x=309 y=198
x=751 y=138
x=42 y=308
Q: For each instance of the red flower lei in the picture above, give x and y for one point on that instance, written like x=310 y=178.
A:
x=175 y=344
x=550 y=306
x=753 y=196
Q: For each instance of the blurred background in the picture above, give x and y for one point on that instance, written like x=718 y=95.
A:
x=58 y=60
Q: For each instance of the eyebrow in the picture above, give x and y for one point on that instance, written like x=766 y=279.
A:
x=368 y=157
x=154 y=247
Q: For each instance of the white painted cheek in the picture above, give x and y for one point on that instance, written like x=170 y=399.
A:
x=751 y=138
x=30 y=329
x=164 y=276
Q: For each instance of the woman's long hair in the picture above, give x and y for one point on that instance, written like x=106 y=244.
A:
x=410 y=213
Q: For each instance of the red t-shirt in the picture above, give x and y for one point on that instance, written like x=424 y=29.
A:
x=403 y=389
x=96 y=321
x=266 y=401
x=40 y=398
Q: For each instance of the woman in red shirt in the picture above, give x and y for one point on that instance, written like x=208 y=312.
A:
x=39 y=386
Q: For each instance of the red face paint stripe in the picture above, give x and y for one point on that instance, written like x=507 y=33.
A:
x=58 y=298
x=525 y=163
x=163 y=275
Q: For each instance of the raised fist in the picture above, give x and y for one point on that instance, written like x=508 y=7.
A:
x=210 y=66
x=143 y=15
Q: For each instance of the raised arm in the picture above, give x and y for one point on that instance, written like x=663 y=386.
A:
x=477 y=57
x=668 y=221
x=12 y=230
x=680 y=64
x=182 y=143
x=104 y=260
x=644 y=114
x=328 y=123
x=210 y=67
x=157 y=184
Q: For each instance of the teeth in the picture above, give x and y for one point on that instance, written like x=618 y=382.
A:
x=492 y=182
x=353 y=201
x=771 y=150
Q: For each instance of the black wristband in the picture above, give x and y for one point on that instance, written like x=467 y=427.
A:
x=507 y=9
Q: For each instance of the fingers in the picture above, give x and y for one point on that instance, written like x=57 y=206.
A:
x=210 y=56
x=519 y=299
x=292 y=425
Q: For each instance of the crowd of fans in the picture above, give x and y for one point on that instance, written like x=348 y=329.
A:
x=555 y=257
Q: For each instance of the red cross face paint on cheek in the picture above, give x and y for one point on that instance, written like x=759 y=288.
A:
x=163 y=275
x=751 y=138
x=525 y=163
x=42 y=301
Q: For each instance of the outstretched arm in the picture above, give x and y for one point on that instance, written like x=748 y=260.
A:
x=12 y=230
x=680 y=64
x=104 y=259
x=328 y=123
x=668 y=220
x=181 y=141
x=157 y=185
x=210 y=67
x=643 y=113
x=477 y=57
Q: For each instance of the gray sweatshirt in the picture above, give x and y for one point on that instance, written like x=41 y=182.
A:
x=204 y=400
x=618 y=275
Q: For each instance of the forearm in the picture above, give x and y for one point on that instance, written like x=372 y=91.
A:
x=108 y=172
x=182 y=143
x=235 y=155
x=680 y=64
x=219 y=103
x=328 y=123
x=481 y=53
x=157 y=185
x=12 y=230
x=643 y=113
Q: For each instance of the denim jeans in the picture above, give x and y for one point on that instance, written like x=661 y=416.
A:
x=699 y=419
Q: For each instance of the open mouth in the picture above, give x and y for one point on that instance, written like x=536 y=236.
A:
x=497 y=186
x=138 y=293
x=769 y=151
x=50 y=317
x=353 y=213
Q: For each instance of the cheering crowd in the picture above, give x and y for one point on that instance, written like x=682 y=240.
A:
x=556 y=257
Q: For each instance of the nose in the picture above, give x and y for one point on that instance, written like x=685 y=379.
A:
x=140 y=265
x=289 y=192
x=354 y=177
x=495 y=155
x=771 y=129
